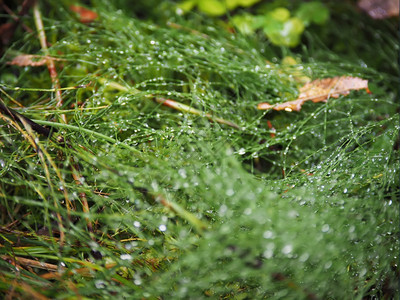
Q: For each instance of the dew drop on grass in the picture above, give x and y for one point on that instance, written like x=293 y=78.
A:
x=247 y=211
x=241 y=151
x=100 y=284
x=287 y=249
x=325 y=228
x=162 y=227
x=328 y=265
x=268 y=253
x=126 y=257
x=304 y=257
x=268 y=234
x=230 y=192
x=182 y=173
x=222 y=210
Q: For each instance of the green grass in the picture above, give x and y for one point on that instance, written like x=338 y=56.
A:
x=180 y=204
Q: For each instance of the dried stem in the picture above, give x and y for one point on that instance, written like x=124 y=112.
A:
x=50 y=63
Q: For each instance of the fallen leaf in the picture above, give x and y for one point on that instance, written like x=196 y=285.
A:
x=85 y=15
x=29 y=60
x=380 y=9
x=320 y=90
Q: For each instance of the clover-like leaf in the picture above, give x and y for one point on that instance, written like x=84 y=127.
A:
x=313 y=12
x=285 y=34
x=212 y=7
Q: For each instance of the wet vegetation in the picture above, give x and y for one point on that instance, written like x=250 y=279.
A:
x=123 y=196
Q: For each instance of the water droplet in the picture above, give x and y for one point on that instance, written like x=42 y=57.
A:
x=304 y=257
x=230 y=192
x=325 y=228
x=137 y=224
x=268 y=253
x=268 y=234
x=287 y=249
x=247 y=211
x=179 y=11
x=328 y=265
x=182 y=172
x=293 y=214
x=222 y=210
x=241 y=151
x=100 y=284
x=162 y=227
x=126 y=256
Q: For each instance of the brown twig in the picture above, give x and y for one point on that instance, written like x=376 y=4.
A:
x=30 y=263
x=186 y=108
x=50 y=63
x=171 y=103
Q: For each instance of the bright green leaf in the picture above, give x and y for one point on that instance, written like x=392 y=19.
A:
x=247 y=3
x=313 y=12
x=244 y=23
x=286 y=34
x=260 y=21
x=289 y=61
x=212 y=7
x=279 y=14
x=271 y=26
x=232 y=4
x=295 y=25
x=187 y=5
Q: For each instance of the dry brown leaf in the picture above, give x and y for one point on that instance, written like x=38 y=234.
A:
x=85 y=15
x=29 y=60
x=320 y=90
x=380 y=9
